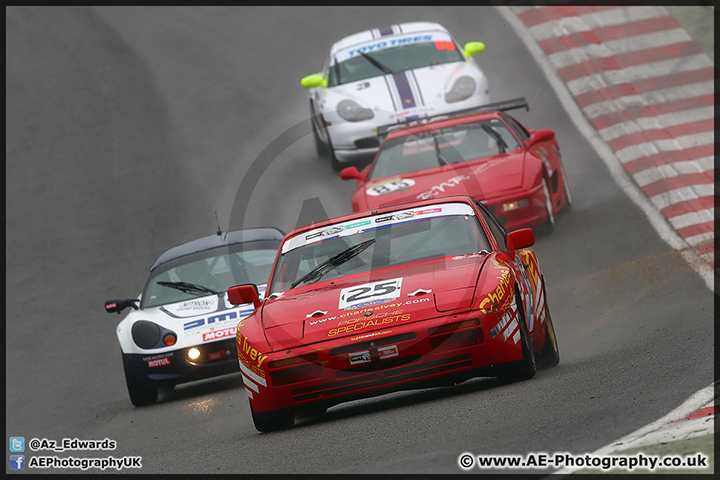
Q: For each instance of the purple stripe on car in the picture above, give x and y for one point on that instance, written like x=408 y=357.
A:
x=384 y=31
x=403 y=86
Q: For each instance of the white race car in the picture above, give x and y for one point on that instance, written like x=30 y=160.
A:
x=383 y=76
x=184 y=328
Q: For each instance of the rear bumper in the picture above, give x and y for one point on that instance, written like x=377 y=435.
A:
x=378 y=362
x=532 y=215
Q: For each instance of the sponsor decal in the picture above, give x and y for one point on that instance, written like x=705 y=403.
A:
x=370 y=294
x=390 y=186
x=162 y=355
x=359 y=357
x=396 y=41
x=438 y=189
x=364 y=356
x=335 y=229
x=158 y=362
x=250 y=359
x=360 y=325
x=216 y=355
x=388 y=351
x=207 y=304
x=354 y=226
x=368 y=335
x=215 y=320
x=225 y=332
x=500 y=295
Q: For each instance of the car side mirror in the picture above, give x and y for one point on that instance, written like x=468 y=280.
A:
x=352 y=172
x=117 y=305
x=473 y=48
x=522 y=238
x=541 y=135
x=314 y=80
x=242 y=294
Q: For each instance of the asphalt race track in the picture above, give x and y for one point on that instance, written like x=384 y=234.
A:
x=128 y=128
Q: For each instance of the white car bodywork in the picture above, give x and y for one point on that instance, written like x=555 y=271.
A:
x=391 y=97
x=195 y=322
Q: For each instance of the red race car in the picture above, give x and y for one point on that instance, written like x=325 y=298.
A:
x=514 y=170
x=428 y=293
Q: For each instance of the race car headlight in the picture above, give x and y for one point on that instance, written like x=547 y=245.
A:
x=461 y=89
x=351 y=111
x=193 y=353
x=145 y=334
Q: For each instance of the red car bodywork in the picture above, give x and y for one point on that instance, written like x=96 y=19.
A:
x=452 y=318
x=499 y=181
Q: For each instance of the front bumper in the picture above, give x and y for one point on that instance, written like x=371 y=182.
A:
x=373 y=363
x=175 y=367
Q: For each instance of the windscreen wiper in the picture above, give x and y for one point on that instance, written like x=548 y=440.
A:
x=379 y=65
x=502 y=146
x=186 y=287
x=333 y=262
x=440 y=159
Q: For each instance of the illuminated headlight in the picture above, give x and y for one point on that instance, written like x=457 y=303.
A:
x=351 y=111
x=461 y=89
x=193 y=353
x=514 y=205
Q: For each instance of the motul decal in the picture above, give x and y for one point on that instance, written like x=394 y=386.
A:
x=158 y=362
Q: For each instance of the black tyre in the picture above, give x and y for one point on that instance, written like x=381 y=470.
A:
x=549 y=224
x=139 y=396
x=320 y=147
x=271 y=421
x=549 y=355
x=566 y=189
x=527 y=367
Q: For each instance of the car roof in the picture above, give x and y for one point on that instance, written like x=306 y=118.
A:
x=379 y=211
x=218 y=240
x=442 y=123
x=397 y=29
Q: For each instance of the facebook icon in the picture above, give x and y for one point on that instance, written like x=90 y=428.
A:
x=17 y=462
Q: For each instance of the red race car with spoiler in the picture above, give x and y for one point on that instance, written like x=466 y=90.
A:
x=428 y=293
x=514 y=170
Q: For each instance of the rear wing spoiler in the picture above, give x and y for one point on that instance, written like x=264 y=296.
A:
x=513 y=104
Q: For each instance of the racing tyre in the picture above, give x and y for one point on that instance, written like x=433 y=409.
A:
x=549 y=224
x=271 y=421
x=320 y=147
x=139 y=396
x=336 y=165
x=566 y=189
x=549 y=355
x=528 y=367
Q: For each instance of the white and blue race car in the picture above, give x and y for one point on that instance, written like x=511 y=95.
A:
x=184 y=327
x=384 y=76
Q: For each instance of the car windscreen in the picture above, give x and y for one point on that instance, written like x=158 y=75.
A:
x=426 y=233
x=213 y=270
x=437 y=147
x=360 y=63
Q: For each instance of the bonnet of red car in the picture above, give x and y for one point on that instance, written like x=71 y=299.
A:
x=321 y=312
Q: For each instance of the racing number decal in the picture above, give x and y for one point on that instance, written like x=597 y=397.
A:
x=370 y=293
x=391 y=186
